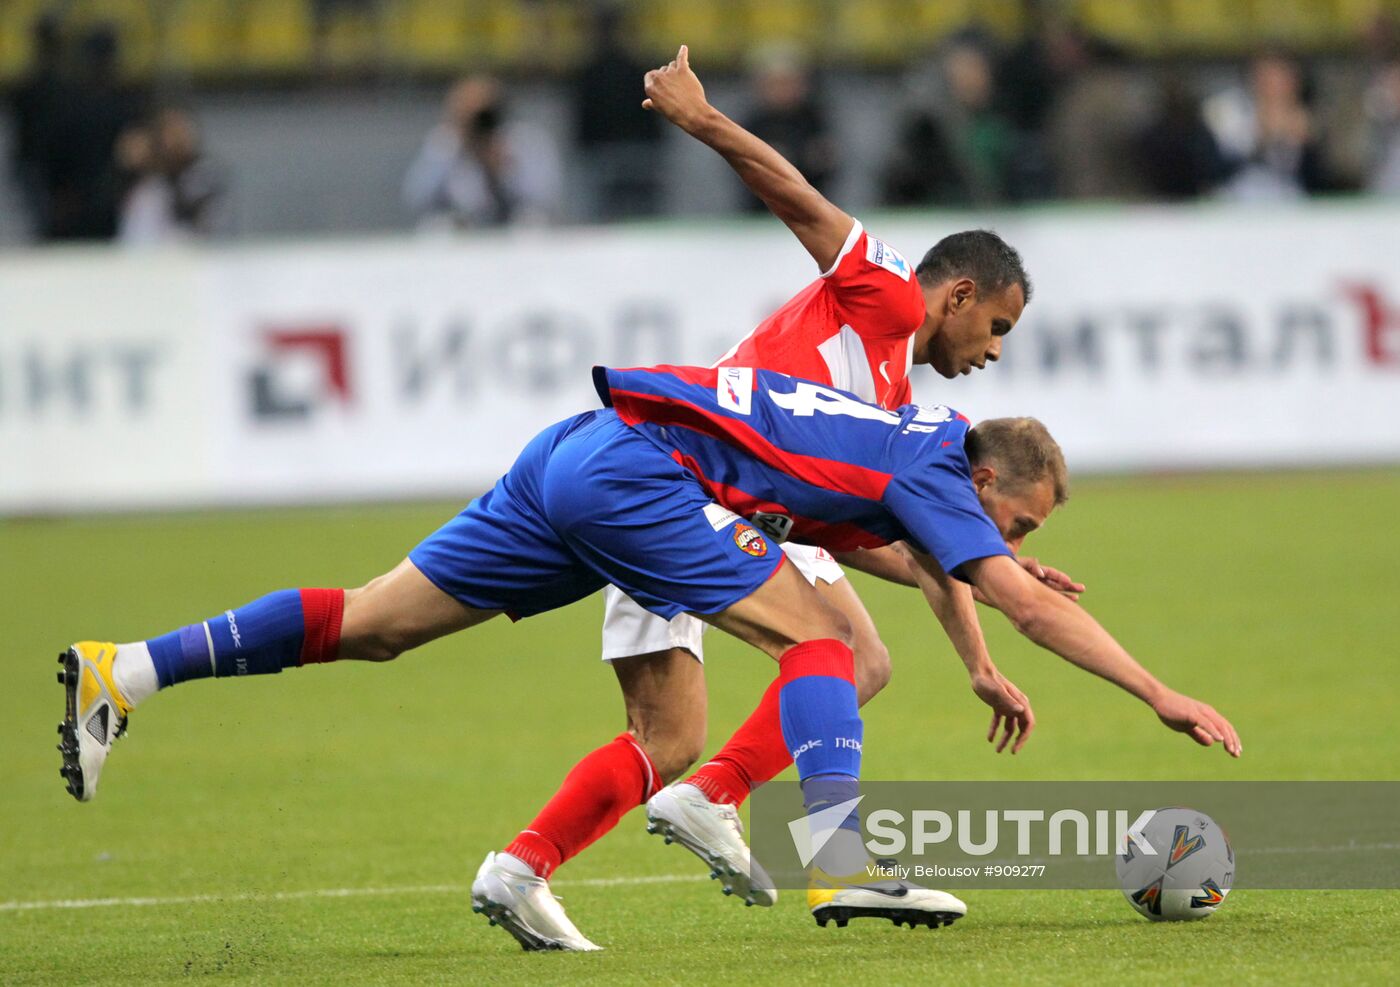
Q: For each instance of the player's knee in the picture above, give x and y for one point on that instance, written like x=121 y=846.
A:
x=873 y=666
x=837 y=628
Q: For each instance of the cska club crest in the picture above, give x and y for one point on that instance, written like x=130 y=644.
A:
x=750 y=540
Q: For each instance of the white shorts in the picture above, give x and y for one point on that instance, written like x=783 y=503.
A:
x=630 y=630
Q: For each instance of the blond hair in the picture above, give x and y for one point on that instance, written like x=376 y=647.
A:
x=1023 y=452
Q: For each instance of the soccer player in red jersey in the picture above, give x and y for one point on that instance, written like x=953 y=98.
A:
x=859 y=326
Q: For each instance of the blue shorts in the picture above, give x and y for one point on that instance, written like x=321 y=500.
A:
x=589 y=502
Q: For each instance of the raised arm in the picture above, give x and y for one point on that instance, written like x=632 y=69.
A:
x=1055 y=623
x=675 y=92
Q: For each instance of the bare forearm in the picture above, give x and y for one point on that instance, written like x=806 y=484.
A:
x=1074 y=635
x=1058 y=625
x=768 y=175
x=1055 y=623
x=891 y=563
x=951 y=602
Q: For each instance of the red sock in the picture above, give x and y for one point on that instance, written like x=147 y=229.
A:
x=600 y=790
x=321 y=611
x=755 y=754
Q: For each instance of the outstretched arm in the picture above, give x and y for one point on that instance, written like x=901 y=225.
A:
x=1053 y=622
x=895 y=563
x=675 y=92
x=951 y=602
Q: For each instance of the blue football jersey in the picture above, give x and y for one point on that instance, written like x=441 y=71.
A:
x=849 y=474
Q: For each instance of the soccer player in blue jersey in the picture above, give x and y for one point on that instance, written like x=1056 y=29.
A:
x=652 y=494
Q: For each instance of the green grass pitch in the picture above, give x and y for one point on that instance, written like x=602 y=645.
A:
x=321 y=826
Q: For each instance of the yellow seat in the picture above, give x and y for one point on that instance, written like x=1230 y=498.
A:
x=428 y=34
x=562 y=31
x=1210 y=26
x=275 y=35
x=350 y=38
x=1136 y=24
x=778 y=21
x=199 y=38
x=1352 y=18
x=870 y=31
x=1304 y=24
x=712 y=28
x=928 y=23
x=498 y=33
x=17 y=36
x=134 y=23
x=1005 y=18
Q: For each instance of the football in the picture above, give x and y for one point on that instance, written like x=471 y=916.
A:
x=1188 y=875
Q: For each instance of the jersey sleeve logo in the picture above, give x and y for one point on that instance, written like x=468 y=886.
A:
x=881 y=254
x=719 y=517
x=750 y=540
x=930 y=418
x=734 y=389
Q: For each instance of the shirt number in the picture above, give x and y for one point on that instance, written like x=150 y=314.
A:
x=808 y=399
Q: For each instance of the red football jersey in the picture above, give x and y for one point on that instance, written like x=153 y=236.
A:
x=852 y=328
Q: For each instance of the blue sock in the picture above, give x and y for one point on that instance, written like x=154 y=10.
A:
x=819 y=710
x=260 y=638
x=825 y=791
x=820 y=716
x=838 y=847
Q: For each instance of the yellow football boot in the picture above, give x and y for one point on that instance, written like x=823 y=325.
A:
x=94 y=716
x=878 y=892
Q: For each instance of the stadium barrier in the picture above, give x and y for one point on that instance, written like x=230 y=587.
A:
x=1157 y=339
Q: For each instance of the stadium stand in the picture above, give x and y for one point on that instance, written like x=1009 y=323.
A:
x=232 y=40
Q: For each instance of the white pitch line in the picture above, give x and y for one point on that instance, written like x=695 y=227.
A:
x=211 y=899
x=1325 y=849
x=411 y=889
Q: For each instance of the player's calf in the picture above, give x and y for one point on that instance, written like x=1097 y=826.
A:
x=399 y=611
x=664 y=693
x=873 y=667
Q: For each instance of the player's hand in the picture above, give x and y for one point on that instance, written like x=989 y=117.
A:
x=675 y=92
x=1058 y=581
x=1199 y=720
x=1011 y=710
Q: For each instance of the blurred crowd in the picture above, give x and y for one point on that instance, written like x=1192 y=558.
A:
x=1058 y=115
x=96 y=159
